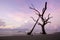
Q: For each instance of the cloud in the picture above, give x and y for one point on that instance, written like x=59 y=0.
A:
x=2 y=23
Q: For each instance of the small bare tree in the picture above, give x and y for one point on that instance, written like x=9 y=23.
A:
x=40 y=16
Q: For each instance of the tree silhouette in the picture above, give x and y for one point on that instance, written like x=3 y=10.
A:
x=40 y=16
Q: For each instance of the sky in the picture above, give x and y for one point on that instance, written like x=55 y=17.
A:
x=16 y=13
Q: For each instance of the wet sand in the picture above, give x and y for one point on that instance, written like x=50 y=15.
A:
x=55 y=36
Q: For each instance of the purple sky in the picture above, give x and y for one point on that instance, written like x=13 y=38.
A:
x=16 y=13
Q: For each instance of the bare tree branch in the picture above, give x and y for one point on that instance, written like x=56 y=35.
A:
x=35 y=21
x=36 y=11
x=38 y=14
x=39 y=24
x=44 y=9
x=48 y=17
x=32 y=5
x=45 y=5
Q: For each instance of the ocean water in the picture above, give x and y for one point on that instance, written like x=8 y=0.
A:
x=19 y=32
x=11 y=33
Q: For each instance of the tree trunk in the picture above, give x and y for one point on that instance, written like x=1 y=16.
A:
x=43 y=30
x=29 y=33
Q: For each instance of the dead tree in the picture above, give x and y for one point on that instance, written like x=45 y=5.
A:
x=41 y=16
